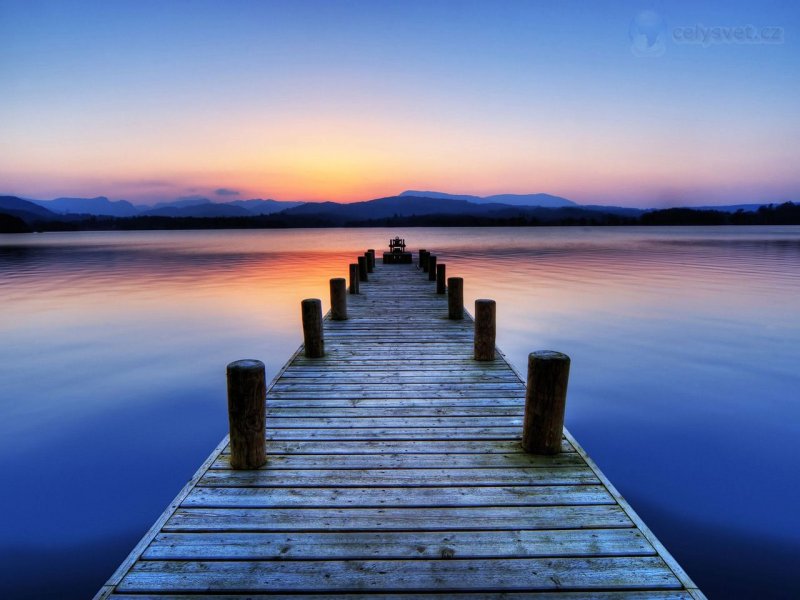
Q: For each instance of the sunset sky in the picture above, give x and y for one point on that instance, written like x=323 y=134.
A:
x=295 y=100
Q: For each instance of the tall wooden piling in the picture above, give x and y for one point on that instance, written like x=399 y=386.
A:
x=371 y=261
x=485 y=329
x=545 y=401
x=431 y=268
x=368 y=261
x=424 y=260
x=441 y=279
x=312 y=328
x=353 y=278
x=338 y=299
x=455 y=298
x=247 y=413
x=362 y=268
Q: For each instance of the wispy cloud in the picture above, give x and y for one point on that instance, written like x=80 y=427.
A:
x=226 y=192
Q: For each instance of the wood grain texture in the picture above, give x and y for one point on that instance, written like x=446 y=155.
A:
x=395 y=470
x=246 y=414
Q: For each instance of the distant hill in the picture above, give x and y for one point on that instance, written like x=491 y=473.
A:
x=393 y=206
x=26 y=210
x=12 y=224
x=179 y=202
x=545 y=200
x=728 y=208
x=182 y=207
x=264 y=207
x=622 y=211
x=207 y=209
x=90 y=206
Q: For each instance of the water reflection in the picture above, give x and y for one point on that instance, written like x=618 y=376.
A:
x=684 y=385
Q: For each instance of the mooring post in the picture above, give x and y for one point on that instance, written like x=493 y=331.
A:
x=368 y=262
x=441 y=279
x=338 y=299
x=362 y=268
x=371 y=262
x=421 y=256
x=485 y=329
x=424 y=260
x=431 y=268
x=312 y=328
x=247 y=413
x=545 y=401
x=455 y=298
x=353 y=278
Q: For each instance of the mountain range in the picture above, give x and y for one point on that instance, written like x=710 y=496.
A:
x=543 y=200
x=410 y=207
x=182 y=207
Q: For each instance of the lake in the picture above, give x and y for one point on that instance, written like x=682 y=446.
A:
x=685 y=381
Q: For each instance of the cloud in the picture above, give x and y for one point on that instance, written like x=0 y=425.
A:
x=226 y=192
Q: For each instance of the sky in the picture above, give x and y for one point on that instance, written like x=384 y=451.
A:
x=627 y=103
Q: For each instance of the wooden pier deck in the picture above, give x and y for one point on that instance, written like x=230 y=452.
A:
x=395 y=471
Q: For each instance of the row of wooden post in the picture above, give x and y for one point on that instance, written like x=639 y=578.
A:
x=546 y=386
x=548 y=371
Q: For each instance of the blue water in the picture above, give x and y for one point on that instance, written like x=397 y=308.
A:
x=685 y=385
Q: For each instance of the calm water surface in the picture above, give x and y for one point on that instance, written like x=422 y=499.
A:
x=685 y=383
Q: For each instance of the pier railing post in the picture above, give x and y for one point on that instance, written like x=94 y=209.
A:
x=312 y=328
x=362 y=268
x=485 y=329
x=353 y=278
x=421 y=256
x=545 y=401
x=371 y=261
x=455 y=298
x=338 y=299
x=441 y=279
x=423 y=260
x=431 y=268
x=247 y=413
x=368 y=261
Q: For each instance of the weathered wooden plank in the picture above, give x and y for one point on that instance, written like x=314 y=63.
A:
x=396 y=433
x=410 y=461
x=400 y=393
x=344 y=410
x=434 y=518
x=396 y=447
x=398 y=404
x=371 y=422
x=399 y=575
x=488 y=595
x=398 y=545
x=461 y=376
x=399 y=477
x=419 y=497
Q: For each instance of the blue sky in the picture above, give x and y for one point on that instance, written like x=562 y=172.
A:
x=351 y=100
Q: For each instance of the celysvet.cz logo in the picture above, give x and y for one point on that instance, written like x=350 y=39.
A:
x=650 y=36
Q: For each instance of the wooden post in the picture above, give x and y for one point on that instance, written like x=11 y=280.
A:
x=441 y=279
x=247 y=413
x=545 y=401
x=485 y=329
x=455 y=298
x=353 y=278
x=431 y=268
x=421 y=257
x=312 y=328
x=424 y=261
x=362 y=268
x=368 y=261
x=338 y=299
x=371 y=263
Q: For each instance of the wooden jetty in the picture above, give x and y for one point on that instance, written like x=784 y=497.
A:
x=395 y=470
